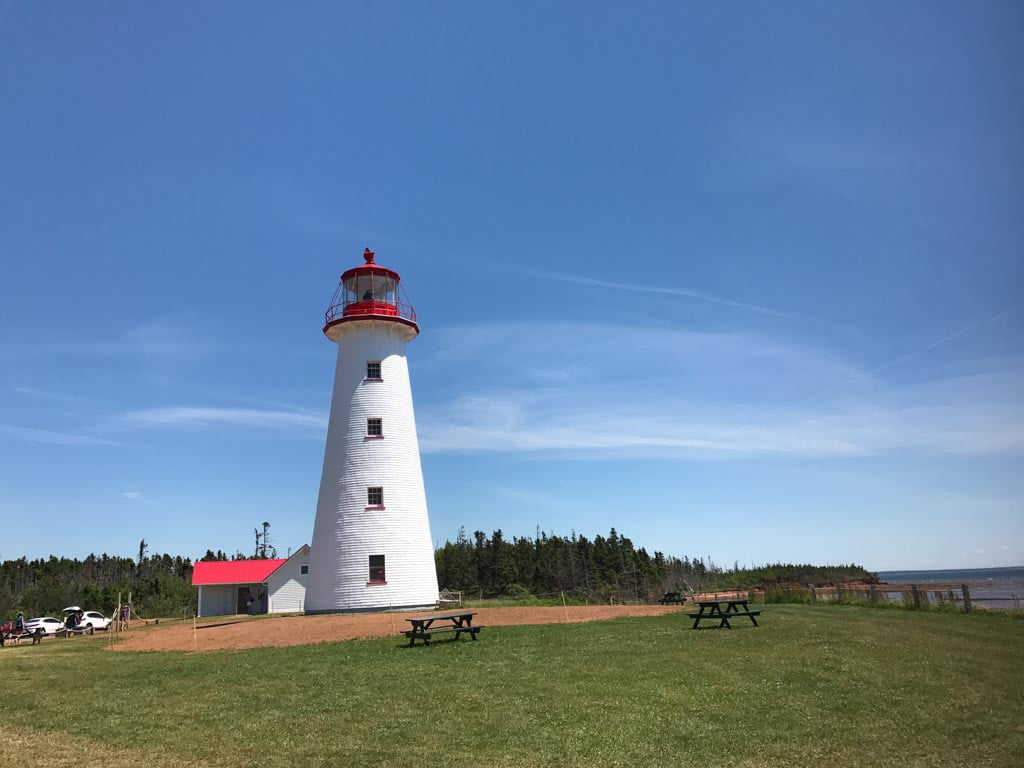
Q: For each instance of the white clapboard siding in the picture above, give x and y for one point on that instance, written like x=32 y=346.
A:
x=286 y=587
x=345 y=532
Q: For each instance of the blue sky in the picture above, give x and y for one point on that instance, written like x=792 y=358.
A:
x=744 y=284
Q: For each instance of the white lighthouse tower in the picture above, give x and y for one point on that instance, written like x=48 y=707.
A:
x=371 y=546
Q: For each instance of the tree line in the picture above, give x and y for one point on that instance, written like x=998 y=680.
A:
x=161 y=585
x=480 y=566
x=600 y=568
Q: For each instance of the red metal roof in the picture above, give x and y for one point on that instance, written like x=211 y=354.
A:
x=234 y=571
x=370 y=268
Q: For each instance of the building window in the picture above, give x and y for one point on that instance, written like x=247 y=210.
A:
x=377 y=569
x=375 y=427
x=303 y=569
x=373 y=370
x=375 y=497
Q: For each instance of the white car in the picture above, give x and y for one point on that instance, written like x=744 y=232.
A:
x=48 y=624
x=95 y=619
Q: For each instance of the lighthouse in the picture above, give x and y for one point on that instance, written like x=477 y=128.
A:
x=371 y=547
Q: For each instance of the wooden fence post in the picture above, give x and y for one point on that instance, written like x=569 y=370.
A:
x=967 y=598
x=814 y=594
x=917 y=597
x=873 y=594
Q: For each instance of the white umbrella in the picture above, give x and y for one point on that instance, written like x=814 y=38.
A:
x=71 y=609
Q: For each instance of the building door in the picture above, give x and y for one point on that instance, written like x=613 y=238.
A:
x=243 y=599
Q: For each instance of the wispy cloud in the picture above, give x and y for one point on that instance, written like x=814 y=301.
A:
x=45 y=394
x=515 y=422
x=169 y=339
x=615 y=358
x=201 y=417
x=670 y=394
x=829 y=158
x=687 y=293
x=892 y=362
x=526 y=497
x=52 y=437
x=166 y=340
x=137 y=496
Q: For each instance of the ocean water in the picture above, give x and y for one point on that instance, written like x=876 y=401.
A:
x=999 y=588
x=956 y=576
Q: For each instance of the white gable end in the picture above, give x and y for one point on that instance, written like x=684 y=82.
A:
x=286 y=587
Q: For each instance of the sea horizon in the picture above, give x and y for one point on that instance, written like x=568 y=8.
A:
x=1003 y=573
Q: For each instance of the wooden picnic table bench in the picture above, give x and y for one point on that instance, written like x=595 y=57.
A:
x=672 y=598
x=711 y=610
x=423 y=627
x=17 y=635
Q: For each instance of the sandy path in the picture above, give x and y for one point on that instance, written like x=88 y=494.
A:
x=304 y=630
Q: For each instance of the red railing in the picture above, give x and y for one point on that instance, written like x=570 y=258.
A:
x=369 y=308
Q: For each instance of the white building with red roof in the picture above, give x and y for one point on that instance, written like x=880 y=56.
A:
x=252 y=586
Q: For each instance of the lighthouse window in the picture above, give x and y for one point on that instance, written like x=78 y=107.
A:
x=375 y=496
x=376 y=569
x=375 y=428
x=373 y=370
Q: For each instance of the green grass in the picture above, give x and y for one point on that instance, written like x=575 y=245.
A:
x=813 y=686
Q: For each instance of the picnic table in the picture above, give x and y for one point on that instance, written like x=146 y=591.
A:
x=712 y=610
x=17 y=635
x=425 y=627
x=672 y=598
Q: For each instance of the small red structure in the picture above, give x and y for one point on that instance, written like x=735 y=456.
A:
x=369 y=292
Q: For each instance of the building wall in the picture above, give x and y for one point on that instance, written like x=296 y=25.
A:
x=345 y=532
x=286 y=587
x=218 y=600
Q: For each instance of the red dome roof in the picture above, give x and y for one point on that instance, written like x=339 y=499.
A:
x=370 y=268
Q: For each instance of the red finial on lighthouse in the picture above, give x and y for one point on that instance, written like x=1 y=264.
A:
x=368 y=255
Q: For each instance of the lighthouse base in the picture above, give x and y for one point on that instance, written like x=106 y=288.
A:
x=377 y=609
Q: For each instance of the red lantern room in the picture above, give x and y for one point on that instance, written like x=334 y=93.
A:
x=369 y=292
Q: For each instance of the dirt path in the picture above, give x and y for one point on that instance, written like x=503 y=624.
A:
x=304 y=630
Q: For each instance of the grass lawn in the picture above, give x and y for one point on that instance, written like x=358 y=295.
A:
x=813 y=686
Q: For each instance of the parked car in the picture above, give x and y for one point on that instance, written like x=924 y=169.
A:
x=48 y=624
x=94 y=619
